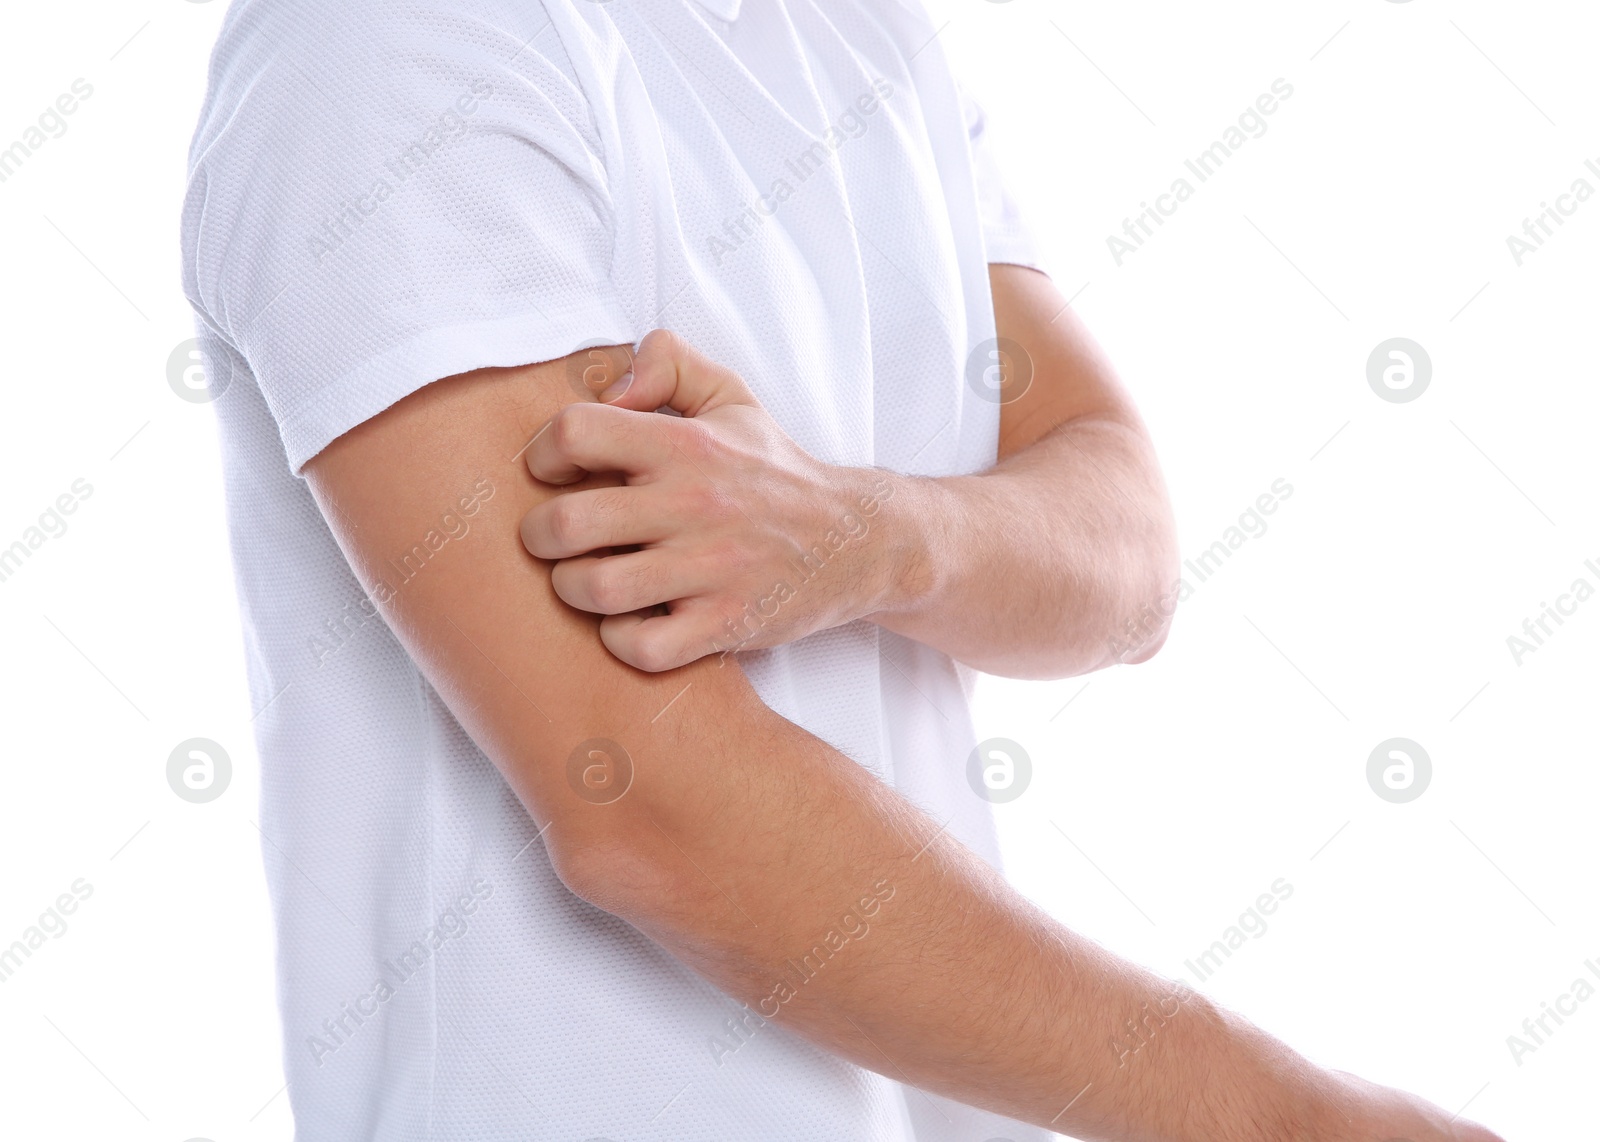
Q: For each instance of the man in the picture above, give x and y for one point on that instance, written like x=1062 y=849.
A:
x=614 y=762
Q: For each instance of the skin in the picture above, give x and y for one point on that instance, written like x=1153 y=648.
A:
x=719 y=505
x=739 y=841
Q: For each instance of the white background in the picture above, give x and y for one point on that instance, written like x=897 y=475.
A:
x=1165 y=797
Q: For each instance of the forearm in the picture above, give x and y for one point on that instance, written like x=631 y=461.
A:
x=950 y=980
x=740 y=842
x=1058 y=561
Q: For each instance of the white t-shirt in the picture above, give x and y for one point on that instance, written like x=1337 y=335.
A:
x=386 y=192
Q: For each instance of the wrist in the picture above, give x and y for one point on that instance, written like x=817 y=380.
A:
x=1278 y=1094
x=903 y=516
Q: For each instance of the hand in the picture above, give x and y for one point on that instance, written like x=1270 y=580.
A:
x=1380 y=1114
x=744 y=539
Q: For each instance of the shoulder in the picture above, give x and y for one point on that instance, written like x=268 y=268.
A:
x=334 y=63
x=312 y=108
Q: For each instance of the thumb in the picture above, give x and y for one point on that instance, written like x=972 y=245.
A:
x=669 y=372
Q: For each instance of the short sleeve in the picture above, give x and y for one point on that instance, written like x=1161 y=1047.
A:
x=381 y=196
x=1006 y=236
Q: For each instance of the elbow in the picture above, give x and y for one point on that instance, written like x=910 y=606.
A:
x=610 y=869
x=596 y=812
x=1145 y=647
x=627 y=856
x=1139 y=638
x=648 y=875
x=630 y=836
x=1147 y=621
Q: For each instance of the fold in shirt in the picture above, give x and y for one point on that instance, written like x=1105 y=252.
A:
x=383 y=194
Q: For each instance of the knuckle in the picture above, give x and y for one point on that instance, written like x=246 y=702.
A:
x=719 y=504
x=651 y=655
x=611 y=590
x=695 y=437
x=563 y=522
x=730 y=558
x=569 y=429
x=706 y=502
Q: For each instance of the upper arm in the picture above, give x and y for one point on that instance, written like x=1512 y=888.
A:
x=1071 y=377
x=525 y=674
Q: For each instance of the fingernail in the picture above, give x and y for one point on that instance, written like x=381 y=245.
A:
x=617 y=387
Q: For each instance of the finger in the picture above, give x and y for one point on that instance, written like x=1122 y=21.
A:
x=664 y=642
x=585 y=438
x=668 y=372
x=618 y=584
x=593 y=370
x=583 y=521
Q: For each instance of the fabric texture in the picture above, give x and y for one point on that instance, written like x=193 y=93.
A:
x=384 y=194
